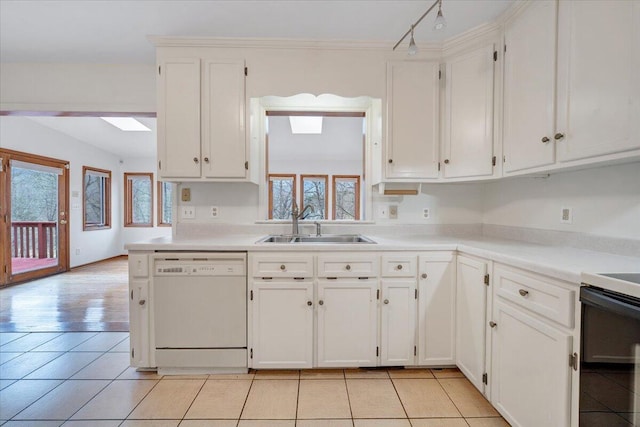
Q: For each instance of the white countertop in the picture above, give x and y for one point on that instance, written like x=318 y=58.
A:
x=564 y=263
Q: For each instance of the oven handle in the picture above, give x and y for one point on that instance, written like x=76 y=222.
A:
x=607 y=302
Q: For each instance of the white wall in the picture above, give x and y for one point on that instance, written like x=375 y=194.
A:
x=605 y=201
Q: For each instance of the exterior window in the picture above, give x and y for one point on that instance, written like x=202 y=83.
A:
x=346 y=197
x=314 y=194
x=282 y=191
x=96 y=198
x=138 y=200
x=165 y=191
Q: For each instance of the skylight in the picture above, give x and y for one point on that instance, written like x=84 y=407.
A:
x=128 y=124
x=306 y=124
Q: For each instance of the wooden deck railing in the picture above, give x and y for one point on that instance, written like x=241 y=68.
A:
x=34 y=239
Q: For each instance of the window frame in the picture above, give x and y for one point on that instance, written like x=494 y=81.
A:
x=128 y=199
x=160 y=203
x=294 y=192
x=326 y=192
x=106 y=202
x=334 y=180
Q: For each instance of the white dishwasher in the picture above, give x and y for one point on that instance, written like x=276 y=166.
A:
x=199 y=312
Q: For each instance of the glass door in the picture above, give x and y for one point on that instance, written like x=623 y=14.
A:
x=34 y=215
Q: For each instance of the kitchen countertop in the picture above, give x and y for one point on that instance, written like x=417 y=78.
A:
x=560 y=262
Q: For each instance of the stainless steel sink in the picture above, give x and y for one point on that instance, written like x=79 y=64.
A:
x=326 y=239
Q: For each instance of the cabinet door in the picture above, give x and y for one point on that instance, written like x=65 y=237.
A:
x=139 y=323
x=347 y=323
x=471 y=303
x=282 y=315
x=179 y=118
x=412 y=119
x=398 y=322
x=436 y=309
x=223 y=119
x=468 y=133
x=598 y=78
x=530 y=369
x=529 y=87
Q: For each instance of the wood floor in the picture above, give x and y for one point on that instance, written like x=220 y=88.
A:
x=90 y=298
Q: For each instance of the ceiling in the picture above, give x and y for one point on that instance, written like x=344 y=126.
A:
x=108 y=31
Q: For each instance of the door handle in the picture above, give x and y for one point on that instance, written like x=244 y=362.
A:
x=63 y=221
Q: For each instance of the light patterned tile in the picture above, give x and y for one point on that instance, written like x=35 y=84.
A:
x=267 y=423
x=467 y=398
x=5 y=357
x=323 y=399
x=32 y=423
x=63 y=367
x=222 y=399
x=438 y=422
x=92 y=423
x=66 y=341
x=6 y=337
x=104 y=341
x=4 y=383
x=26 y=363
x=447 y=373
x=495 y=422
x=150 y=423
x=277 y=374
x=106 y=367
x=410 y=373
x=424 y=398
x=374 y=399
x=63 y=401
x=248 y=376
x=168 y=400
x=382 y=423
x=271 y=400
x=208 y=423
x=134 y=374
x=29 y=342
x=366 y=373
x=325 y=423
x=117 y=400
x=123 y=347
x=321 y=374
x=21 y=394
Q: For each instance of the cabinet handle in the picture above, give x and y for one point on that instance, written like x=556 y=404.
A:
x=399 y=267
x=320 y=302
x=283 y=267
x=446 y=161
x=545 y=139
x=195 y=160
x=386 y=301
x=142 y=301
x=309 y=303
x=348 y=267
x=558 y=136
x=493 y=324
x=523 y=293
x=390 y=160
x=424 y=275
x=206 y=160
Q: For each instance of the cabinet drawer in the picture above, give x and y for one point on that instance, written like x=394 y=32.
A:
x=348 y=265
x=282 y=265
x=400 y=265
x=536 y=293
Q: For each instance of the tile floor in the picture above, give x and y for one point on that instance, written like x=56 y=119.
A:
x=83 y=379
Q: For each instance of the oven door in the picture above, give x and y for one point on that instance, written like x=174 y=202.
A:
x=609 y=369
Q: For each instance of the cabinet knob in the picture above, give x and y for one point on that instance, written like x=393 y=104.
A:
x=424 y=275
x=558 y=136
x=545 y=139
x=206 y=160
x=446 y=161
x=309 y=303
x=523 y=293
x=348 y=267
x=195 y=160
x=320 y=302
x=283 y=267
x=390 y=160
x=386 y=301
x=493 y=324
x=142 y=301
x=399 y=267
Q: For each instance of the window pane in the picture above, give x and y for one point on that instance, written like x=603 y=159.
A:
x=346 y=196
x=314 y=191
x=94 y=199
x=141 y=200
x=281 y=194
x=165 y=199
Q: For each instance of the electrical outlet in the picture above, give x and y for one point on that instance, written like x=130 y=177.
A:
x=213 y=211
x=188 y=212
x=383 y=211
x=186 y=195
x=393 y=212
x=426 y=213
x=566 y=216
x=78 y=251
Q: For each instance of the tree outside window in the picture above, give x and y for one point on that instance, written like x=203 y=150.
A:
x=314 y=194
x=346 y=197
x=165 y=191
x=96 y=198
x=138 y=200
x=282 y=191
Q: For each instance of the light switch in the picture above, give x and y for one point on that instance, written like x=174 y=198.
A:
x=186 y=195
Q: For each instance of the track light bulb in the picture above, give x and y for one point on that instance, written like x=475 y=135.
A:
x=413 y=48
x=439 y=23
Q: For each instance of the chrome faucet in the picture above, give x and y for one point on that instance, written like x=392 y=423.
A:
x=318 y=229
x=295 y=215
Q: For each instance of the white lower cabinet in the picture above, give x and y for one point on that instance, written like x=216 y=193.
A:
x=347 y=322
x=398 y=321
x=282 y=324
x=531 y=377
x=139 y=322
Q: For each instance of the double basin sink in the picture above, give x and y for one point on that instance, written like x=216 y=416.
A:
x=326 y=238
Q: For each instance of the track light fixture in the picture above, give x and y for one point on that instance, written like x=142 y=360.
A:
x=438 y=24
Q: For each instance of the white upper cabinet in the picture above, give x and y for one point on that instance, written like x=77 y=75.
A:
x=529 y=87
x=468 y=133
x=598 y=78
x=412 y=120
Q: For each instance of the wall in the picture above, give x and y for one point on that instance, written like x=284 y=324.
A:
x=605 y=201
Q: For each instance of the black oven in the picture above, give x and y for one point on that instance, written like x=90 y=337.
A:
x=610 y=358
